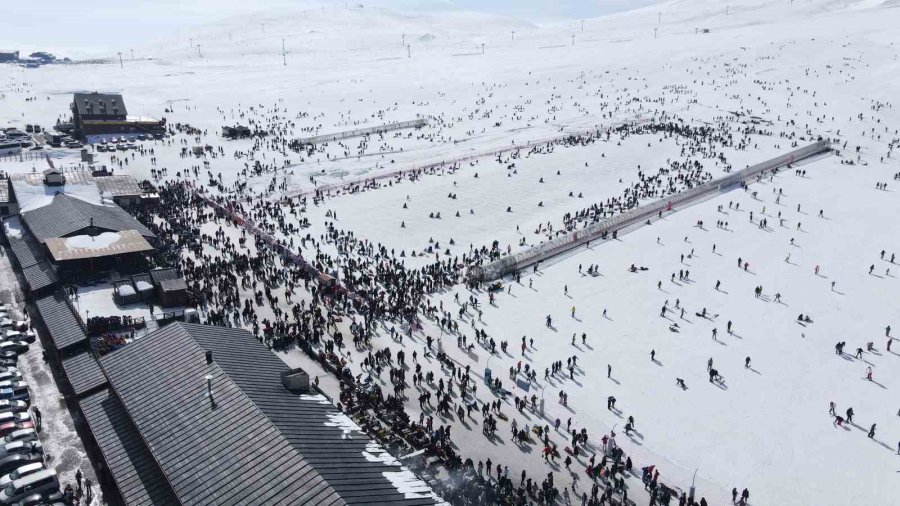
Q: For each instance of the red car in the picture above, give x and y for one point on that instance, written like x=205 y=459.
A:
x=9 y=427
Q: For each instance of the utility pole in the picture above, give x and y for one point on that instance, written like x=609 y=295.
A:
x=573 y=39
x=198 y=51
x=482 y=48
x=122 y=65
x=402 y=39
x=408 y=52
x=283 y=53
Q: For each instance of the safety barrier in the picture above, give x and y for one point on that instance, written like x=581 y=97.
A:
x=486 y=153
x=516 y=261
x=359 y=132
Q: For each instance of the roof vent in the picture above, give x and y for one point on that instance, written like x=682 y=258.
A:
x=295 y=381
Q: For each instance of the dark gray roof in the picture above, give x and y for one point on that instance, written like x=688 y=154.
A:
x=93 y=104
x=128 y=460
x=57 y=315
x=173 y=285
x=40 y=276
x=223 y=454
x=84 y=373
x=340 y=460
x=26 y=251
x=67 y=215
x=159 y=275
x=36 y=269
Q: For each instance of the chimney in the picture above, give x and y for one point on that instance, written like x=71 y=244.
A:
x=209 y=358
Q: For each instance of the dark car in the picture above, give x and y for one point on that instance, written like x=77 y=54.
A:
x=54 y=499
x=8 y=406
x=10 y=463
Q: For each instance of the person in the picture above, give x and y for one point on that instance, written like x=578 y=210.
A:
x=653 y=355
x=872 y=431
x=734 y=495
x=850 y=415
x=869 y=373
x=747 y=363
x=839 y=421
x=831 y=408
x=608 y=371
x=78 y=477
x=709 y=363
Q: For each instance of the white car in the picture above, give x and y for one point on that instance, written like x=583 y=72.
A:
x=21 y=473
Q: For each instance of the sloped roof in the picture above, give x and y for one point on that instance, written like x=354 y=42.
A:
x=93 y=104
x=138 y=478
x=307 y=422
x=57 y=315
x=221 y=450
x=84 y=373
x=67 y=215
x=119 y=186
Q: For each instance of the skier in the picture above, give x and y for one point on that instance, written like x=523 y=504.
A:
x=709 y=364
x=850 y=415
x=747 y=363
x=653 y=355
x=872 y=432
x=831 y=407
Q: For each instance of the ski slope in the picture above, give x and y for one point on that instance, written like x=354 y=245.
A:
x=768 y=73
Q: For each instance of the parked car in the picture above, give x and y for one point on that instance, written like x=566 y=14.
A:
x=14 y=346
x=54 y=499
x=10 y=376
x=10 y=463
x=28 y=434
x=21 y=472
x=17 y=447
x=17 y=392
x=11 y=417
x=8 y=428
x=41 y=483
x=8 y=406
x=9 y=361
x=8 y=368
x=29 y=336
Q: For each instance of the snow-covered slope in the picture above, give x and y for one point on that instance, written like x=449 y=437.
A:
x=768 y=74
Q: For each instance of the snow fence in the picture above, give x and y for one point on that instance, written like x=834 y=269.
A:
x=516 y=261
x=359 y=132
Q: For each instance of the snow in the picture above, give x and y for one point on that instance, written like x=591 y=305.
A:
x=815 y=63
x=13 y=227
x=143 y=286
x=99 y=241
